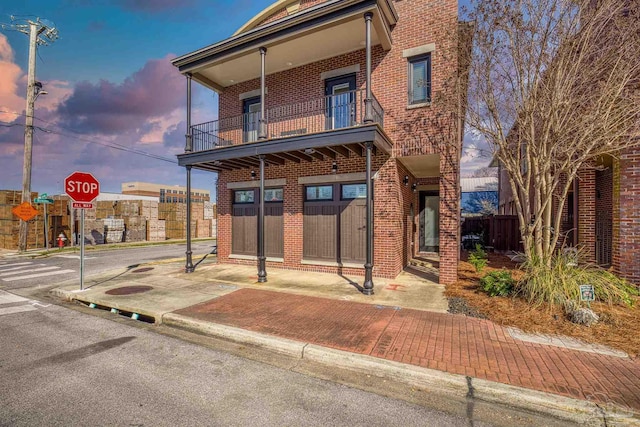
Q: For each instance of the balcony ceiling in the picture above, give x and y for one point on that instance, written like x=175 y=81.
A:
x=327 y=30
x=423 y=166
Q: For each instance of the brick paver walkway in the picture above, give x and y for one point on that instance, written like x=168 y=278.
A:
x=451 y=343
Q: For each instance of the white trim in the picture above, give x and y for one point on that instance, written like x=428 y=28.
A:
x=252 y=94
x=428 y=187
x=340 y=177
x=340 y=72
x=280 y=182
x=293 y=8
x=418 y=50
x=421 y=105
x=253 y=258
x=332 y=264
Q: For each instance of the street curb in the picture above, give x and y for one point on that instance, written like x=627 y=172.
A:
x=242 y=336
x=63 y=294
x=434 y=381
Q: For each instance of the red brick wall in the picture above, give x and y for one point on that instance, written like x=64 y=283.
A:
x=626 y=215
x=604 y=213
x=587 y=213
x=414 y=131
x=387 y=219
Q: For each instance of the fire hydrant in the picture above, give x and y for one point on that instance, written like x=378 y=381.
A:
x=61 y=240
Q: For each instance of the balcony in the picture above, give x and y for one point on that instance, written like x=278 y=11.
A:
x=325 y=114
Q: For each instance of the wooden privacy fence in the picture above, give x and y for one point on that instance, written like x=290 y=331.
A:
x=502 y=232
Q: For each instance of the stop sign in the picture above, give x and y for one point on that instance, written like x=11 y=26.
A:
x=81 y=187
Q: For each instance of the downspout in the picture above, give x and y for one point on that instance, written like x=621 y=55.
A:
x=262 y=129
x=368 y=116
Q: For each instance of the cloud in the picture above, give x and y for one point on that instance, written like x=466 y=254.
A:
x=476 y=154
x=108 y=108
x=11 y=77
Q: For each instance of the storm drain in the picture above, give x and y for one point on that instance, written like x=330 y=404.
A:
x=129 y=290
x=124 y=313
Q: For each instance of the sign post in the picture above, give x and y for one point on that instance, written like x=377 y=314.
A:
x=82 y=188
x=45 y=201
x=587 y=294
x=25 y=212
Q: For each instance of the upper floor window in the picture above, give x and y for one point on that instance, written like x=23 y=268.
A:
x=420 y=79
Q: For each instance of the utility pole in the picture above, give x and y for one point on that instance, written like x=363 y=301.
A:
x=39 y=33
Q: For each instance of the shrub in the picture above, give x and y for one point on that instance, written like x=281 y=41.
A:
x=478 y=258
x=497 y=283
x=560 y=282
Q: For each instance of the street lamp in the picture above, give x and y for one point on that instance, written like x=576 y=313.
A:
x=37 y=88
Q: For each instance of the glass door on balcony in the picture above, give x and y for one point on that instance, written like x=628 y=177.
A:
x=341 y=111
x=251 y=119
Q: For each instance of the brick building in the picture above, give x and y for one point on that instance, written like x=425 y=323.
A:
x=601 y=213
x=315 y=98
x=165 y=193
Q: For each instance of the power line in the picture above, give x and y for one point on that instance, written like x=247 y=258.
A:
x=110 y=145
x=80 y=137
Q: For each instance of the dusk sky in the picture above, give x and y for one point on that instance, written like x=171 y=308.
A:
x=112 y=89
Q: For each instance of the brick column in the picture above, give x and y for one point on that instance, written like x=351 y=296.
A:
x=587 y=214
x=223 y=207
x=449 y=218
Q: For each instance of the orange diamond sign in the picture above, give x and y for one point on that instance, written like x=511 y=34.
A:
x=25 y=211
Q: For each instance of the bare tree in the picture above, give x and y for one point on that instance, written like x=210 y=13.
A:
x=553 y=86
x=485 y=172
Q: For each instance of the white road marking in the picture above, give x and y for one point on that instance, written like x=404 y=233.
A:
x=14 y=263
x=33 y=276
x=8 y=298
x=38 y=304
x=18 y=309
x=73 y=256
x=13 y=273
x=22 y=267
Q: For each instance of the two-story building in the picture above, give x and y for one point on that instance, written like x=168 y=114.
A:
x=337 y=141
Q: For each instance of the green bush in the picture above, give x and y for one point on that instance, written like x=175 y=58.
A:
x=560 y=282
x=497 y=283
x=478 y=258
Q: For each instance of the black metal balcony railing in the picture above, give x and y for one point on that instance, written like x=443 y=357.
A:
x=337 y=111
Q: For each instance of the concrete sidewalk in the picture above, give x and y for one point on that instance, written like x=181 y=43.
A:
x=402 y=333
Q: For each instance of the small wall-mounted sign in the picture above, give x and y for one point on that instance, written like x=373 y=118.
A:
x=587 y=293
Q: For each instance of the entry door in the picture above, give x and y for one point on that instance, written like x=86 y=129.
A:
x=430 y=222
x=251 y=118
x=341 y=111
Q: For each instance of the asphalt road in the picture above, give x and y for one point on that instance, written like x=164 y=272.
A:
x=56 y=267
x=64 y=367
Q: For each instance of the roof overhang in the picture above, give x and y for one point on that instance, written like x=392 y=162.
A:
x=343 y=142
x=323 y=31
x=422 y=166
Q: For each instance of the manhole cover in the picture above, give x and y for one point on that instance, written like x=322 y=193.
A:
x=128 y=290
x=142 y=270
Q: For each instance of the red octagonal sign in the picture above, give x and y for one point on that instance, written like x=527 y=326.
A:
x=81 y=187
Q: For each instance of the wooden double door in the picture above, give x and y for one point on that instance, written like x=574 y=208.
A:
x=244 y=231
x=334 y=226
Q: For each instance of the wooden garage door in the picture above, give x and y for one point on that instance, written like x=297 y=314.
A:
x=334 y=223
x=244 y=224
